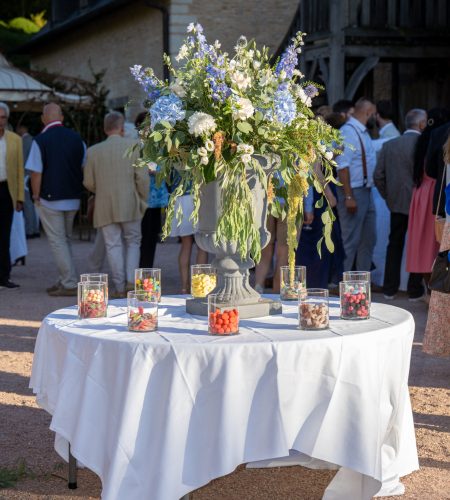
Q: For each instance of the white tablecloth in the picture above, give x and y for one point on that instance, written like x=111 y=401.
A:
x=157 y=415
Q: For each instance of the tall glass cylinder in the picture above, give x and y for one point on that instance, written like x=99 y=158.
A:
x=292 y=284
x=203 y=280
x=92 y=299
x=222 y=319
x=142 y=312
x=313 y=309
x=355 y=299
x=148 y=279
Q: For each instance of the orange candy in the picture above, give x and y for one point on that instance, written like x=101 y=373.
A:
x=224 y=323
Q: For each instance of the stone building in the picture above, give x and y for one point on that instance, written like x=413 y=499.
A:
x=116 y=34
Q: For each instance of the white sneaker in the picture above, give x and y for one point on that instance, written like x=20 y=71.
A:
x=389 y=297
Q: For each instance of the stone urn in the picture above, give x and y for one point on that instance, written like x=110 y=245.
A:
x=233 y=284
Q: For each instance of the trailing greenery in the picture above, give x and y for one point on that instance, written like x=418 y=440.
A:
x=10 y=475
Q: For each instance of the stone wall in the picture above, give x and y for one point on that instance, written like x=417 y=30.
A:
x=133 y=35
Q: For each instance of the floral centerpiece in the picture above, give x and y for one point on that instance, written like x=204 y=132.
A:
x=218 y=114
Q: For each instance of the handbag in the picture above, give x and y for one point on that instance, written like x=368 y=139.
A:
x=440 y=274
x=439 y=222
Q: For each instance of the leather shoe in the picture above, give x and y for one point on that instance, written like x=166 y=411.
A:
x=64 y=292
x=8 y=284
x=53 y=288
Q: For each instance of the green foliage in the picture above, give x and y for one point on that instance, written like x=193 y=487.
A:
x=10 y=475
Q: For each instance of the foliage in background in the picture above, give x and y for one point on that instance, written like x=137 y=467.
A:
x=218 y=114
x=29 y=26
x=10 y=475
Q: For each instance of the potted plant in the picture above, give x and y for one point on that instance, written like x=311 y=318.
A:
x=241 y=134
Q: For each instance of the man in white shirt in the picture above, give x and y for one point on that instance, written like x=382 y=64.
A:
x=355 y=206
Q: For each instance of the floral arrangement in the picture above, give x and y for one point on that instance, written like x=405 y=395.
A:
x=217 y=115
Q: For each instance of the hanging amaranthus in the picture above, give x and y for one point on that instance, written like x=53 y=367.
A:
x=297 y=189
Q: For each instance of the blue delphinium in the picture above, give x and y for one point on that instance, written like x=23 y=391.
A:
x=285 y=109
x=148 y=82
x=167 y=108
x=288 y=62
x=311 y=90
x=216 y=79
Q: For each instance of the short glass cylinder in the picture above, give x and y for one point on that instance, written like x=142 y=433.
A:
x=292 y=284
x=142 y=312
x=96 y=278
x=313 y=309
x=92 y=299
x=148 y=279
x=356 y=276
x=223 y=318
x=355 y=299
x=203 y=280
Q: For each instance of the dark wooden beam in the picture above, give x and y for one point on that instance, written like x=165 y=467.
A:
x=398 y=52
x=358 y=76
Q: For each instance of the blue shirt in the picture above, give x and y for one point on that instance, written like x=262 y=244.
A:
x=351 y=156
x=158 y=196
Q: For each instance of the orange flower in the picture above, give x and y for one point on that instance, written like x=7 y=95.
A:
x=218 y=139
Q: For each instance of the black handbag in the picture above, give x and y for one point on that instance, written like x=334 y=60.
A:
x=440 y=274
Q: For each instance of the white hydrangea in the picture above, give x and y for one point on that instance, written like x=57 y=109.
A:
x=243 y=109
x=240 y=80
x=246 y=158
x=201 y=124
x=245 y=148
x=266 y=78
x=177 y=88
x=202 y=151
x=209 y=145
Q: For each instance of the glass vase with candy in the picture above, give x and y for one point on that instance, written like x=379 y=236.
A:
x=148 y=280
x=92 y=299
x=142 y=312
x=223 y=318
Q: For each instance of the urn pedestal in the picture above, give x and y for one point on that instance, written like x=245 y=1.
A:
x=233 y=284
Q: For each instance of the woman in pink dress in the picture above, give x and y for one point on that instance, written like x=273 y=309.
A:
x=421 y=246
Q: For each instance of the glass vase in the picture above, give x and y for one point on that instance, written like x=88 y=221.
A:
x=223 y=318
x=313 y=309
x=203 y=280
x=92 y=299
x=292 y=284
x=355 y=299
x=142 y=312
x=148 y=280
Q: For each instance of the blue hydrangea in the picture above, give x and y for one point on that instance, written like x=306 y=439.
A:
x=148 y=82
x=288 y=62
x=311 y=90
x=167 y=108
x=285 y=109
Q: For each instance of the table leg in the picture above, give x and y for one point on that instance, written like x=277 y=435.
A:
x=72 y=484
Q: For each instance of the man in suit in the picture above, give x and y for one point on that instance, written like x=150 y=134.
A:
x=55 y=161
x=11 y=191
x=121 y=192
x=393 y=177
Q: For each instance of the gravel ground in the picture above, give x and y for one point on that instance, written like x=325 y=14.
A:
x=25 y=436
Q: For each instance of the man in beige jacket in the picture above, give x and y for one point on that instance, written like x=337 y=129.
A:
x=121 y=192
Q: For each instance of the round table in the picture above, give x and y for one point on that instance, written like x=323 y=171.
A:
x=157 y=415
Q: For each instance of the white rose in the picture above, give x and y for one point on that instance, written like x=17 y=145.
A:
x=202 y=152
x=243 y=109
x=209 y=145
x=201 y=124
x=178 y=89
x=256 y=64
x=204 y=160
x=245 y=148
x=329 y=155
x=241 y=80
x=246 y=158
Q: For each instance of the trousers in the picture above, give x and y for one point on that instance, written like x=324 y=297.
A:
x=122 y=242
x=58 y=226
x=358 y=230
x=394 y=254
x=6 y=217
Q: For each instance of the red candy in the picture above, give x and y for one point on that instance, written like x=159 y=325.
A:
x=224 y=323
